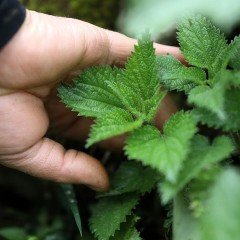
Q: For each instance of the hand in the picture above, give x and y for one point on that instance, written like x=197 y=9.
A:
x=45 y=51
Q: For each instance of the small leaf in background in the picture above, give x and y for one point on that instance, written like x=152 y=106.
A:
x=202 y=44
x=221 y=220
x=127 y=230
x=175 y=76
x=198 y=159
x=72 y=203
x=112 y=124
x=165 y=152
x=108 y=214
x=132 y=177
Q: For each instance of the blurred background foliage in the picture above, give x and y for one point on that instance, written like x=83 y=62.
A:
x=161 y=16
x=99 y=12
x=33 y=209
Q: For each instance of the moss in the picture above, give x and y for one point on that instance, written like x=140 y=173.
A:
x=99 y=12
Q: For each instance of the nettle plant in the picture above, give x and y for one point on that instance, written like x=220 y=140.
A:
x=187 y=168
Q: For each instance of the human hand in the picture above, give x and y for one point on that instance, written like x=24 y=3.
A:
x=45 y=51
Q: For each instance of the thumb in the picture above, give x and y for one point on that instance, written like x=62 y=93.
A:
x=49 y=160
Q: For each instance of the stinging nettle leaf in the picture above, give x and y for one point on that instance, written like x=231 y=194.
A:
x=202 y=44
x=202 y=155
x=127 y=230
x=112 y=124
x=139 y=88
x=90 y=94
x=175 y=76
x=109 y=213
x=132 y=177
x=165 y=152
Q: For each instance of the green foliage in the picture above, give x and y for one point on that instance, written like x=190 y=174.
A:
x=175 y=76
x=198 y=160
x=187 y=166
x=164 y=152
x=202 y=44
x=109 y=213
x=132 y=177
x=127 y=231
x=120 y=99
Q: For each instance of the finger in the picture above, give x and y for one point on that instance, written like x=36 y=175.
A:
x=49 y=160
x=59 y=45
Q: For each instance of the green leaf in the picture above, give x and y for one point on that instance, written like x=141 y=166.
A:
x=221 y=220
x=112 y=124
x=90 y=94
x=185 y=226
x=72 y=203
x=232 y=120
x=175 y=76
x=132 y=177
x=127 y=230
x=166 y=152
x=139 y=87
x=235 y=54
x=198 y=160
x=202 y=44
x=109 y=213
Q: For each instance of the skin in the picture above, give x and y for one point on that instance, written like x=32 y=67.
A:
x=45 y=51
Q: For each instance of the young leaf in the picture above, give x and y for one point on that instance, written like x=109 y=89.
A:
x=197 y=160
x=222 y=216
x=139 y=87
x=132 y=177
x=112 y=124
x=166 y=152
x=109 y=213
x=72 y=202
x=90 y=94
x=127 y=230
x=175 y=76
x=202 y=44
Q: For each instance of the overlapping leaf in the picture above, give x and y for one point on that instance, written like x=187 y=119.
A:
x=121 y=100
x=201 y=156
x=202 y=44
x=175 y=76
x=109 y=213
x=164 y=152
x=132 y=177
x=127 y=230
x=112 y=124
